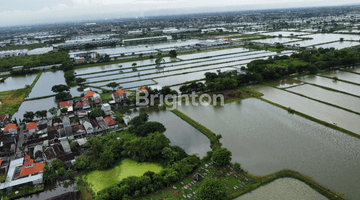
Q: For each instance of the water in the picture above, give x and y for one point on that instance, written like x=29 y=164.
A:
x=35 y=105
x=265 y=139
x=341 y=118
x=116 y=66
x=53 y=191
x=342 y=75
x=328 y=82
x=46 y=81
x=178 y=131
x=324 y=38
x=357 y=70
x=276 y=39
x=210 y=53
x=283 y=33
x=339 y=45
x=128 y=50
x=336 y=98
x=284 y=188
x=17 y=82
x=284 y=83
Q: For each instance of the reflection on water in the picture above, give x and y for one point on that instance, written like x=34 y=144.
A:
x=265 y=139
x=46 y=81
x=342 y=75
x=17 y=82
x=284 y=188
x=336 y=98
x=178 y=131
x=53 y=190
x=35 y=105
x=284 y=83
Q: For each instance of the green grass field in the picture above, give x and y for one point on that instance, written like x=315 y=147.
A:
x=101 y=179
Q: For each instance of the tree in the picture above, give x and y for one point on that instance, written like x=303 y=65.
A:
x=64 y=110
x=48 y=174
x=53 y=111
x=237 y=167
x=173 y=53
x=69 y=76
x=41 y=113
x=57 y=164
x=113 y=85
x=134 y=64
x=212 y=190
x=80 y=81
x=60 y=88
x=62 y=96
x=222 y=156
x=29 y=115
x=158 y=61
x=106 y=159
x=95 y=112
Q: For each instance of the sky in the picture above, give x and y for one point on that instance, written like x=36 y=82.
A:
x=28 y=12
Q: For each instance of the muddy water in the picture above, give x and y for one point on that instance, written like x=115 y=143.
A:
x=265 y=139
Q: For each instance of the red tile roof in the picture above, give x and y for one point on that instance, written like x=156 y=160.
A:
x=89 y=94
x=10 y=126
x=110 y=121
x=120 y=92
x=0 y=162
x=65 y=104
x=31 y=125
x=36 y=168
x=143 y=89
x=84 y=102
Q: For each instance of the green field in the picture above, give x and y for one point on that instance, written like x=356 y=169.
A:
x=101 y=179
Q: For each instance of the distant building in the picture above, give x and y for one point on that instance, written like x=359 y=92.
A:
x=13 y=53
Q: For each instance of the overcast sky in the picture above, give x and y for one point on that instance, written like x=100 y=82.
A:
x=28 y=12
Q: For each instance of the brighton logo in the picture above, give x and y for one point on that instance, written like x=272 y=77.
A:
x=174 y=100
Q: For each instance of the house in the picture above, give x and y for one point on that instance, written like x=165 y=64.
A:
x=89 y=95
x=88 y=127
x=30 y=173
x=11 y=129
x=103 y=125
x=95 y=125
x=78 y=105
x=52 y=133
x=65 y=145
x=38 y=153
x=86 y=105
x=110 y=122
x=57 y=121
x=106 y=107
x=31 y=127
x=78 y=129
x=82 y=114
x=142 y=89
x=98 y=102
x=7 y=144
x=119 y=95
x=3 y=118
x=30 y=168
x=67 y=104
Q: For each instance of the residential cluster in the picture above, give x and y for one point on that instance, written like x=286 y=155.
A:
x=25 y=148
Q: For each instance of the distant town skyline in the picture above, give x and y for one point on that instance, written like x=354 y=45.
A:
x=24 y=12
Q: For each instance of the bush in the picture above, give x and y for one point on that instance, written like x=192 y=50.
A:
x=230 y=94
